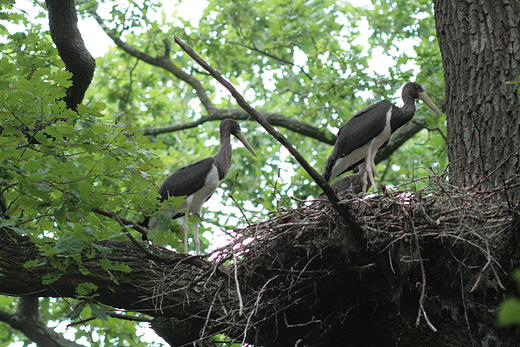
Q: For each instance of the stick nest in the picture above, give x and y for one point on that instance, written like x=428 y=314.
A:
x=303 y=270
x=302 y=275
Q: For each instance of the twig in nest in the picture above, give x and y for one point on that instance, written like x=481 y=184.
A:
x=237 y=283
x=489 y=262
x=427 y=320
x=422 y=311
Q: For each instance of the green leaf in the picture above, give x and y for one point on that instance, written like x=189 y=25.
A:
x=108 y=265
x=76 y=312
x=69 y=244
x=85 y=289
x=32 y=263
x=509 y=312
x=50 y=278
x=99 y=313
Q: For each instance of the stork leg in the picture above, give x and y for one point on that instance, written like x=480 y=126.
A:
x=363 y=171
x=185 y=229
x=369 y=167
x=196 y=237
x=373 y=172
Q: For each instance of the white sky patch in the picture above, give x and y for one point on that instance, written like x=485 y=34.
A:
x=98 y=43
x=190 y=10
x=221 y=93
x=300 y=61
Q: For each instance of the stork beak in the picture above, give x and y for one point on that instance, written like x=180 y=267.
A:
x=244 y=141
x=424 y=97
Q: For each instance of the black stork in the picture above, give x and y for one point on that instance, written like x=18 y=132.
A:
x=351 y=183
x=360 y=138
x=198 y=181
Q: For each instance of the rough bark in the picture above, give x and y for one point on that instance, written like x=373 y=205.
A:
x=63 y=24
x=480 y=45
x=132 y=291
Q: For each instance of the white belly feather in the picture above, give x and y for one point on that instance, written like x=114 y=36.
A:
x=359 y=153
x=195 y=200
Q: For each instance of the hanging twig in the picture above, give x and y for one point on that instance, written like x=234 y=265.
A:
x=230 y=194
x=422 y=311
x=356 y=230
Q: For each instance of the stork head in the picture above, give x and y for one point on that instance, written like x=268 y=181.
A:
x=415 y=90
x=230 y=126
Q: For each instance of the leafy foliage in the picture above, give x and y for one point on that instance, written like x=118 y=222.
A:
x=509 y=311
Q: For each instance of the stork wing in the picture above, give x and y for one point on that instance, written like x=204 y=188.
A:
x=357 y=132
x=187 y=180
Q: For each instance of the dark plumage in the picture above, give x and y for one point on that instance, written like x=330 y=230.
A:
x=360 y=138
x=198 y=181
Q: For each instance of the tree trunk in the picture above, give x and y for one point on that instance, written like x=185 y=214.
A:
x=480 y=45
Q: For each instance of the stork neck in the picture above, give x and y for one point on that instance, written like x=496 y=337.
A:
x=401 y=115
x=223 y=156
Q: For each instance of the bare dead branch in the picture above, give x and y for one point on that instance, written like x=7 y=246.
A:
x=357 y=232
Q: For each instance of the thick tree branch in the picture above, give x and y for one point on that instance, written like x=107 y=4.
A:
x=27 y=319
x=160 y=61
x=133 y=291
x=63 y=24
x=213 y=112
x=216 y=114
x=274 y=119
x=397 y=140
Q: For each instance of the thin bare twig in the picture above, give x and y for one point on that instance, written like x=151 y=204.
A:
x=230 y=194
x=113 y=315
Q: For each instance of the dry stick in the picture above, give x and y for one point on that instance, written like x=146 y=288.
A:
x=357 y=232
x=423 y=282
x=113 y=315
x=236 y=202
x=237 y=283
